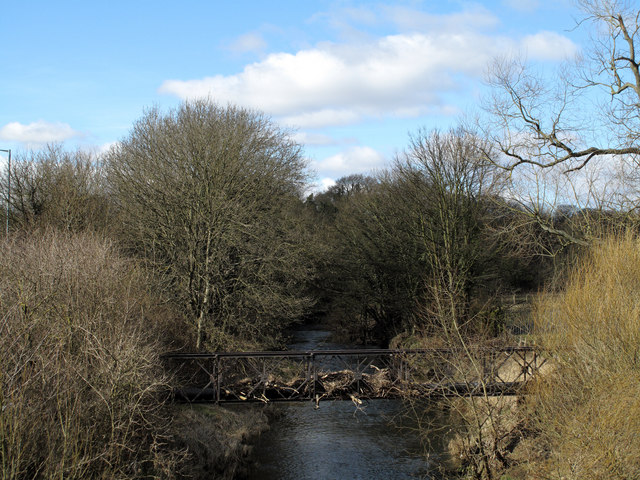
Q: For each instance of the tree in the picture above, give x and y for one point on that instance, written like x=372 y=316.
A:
x=543 y=122
x=581 y=127
x=449 y=182
x=53 y=187
x=416 y=238
x=326 y=204
x=209 y=195
x=379 y=267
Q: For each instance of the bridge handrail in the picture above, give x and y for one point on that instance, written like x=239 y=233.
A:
x=354 y=352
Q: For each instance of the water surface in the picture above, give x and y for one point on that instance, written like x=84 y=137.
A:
x=339 y=440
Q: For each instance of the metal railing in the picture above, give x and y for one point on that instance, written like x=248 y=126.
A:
x=343 y=374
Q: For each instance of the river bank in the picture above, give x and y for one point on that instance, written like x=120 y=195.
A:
x=396 y=439
x=218 y=440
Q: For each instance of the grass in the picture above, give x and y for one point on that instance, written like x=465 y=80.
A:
x=216 y=439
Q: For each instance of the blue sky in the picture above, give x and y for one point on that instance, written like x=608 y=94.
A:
x=352 y=79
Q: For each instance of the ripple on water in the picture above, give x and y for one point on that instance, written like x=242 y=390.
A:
x=338 y=442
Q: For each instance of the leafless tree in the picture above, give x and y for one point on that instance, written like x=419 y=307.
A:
x=208 y=194
x=54 y=187
x=449 y=182
x=572 y=138
x=589 y=110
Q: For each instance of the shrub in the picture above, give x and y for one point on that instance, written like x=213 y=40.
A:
x=80 y=379
x=588 y=409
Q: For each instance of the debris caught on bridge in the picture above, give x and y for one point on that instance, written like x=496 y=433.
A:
x=348 y=374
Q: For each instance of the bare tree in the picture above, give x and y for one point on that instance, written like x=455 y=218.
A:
x=555 y=122
x=580 y=126
x=208 y=194
x=380 y=270
x=449 y=182
x=53 y=187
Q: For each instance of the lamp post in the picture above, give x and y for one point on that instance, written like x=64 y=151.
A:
x=8 y=186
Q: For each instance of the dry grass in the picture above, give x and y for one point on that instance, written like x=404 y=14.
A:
x=488 y=430
x=588 y=408
x=218 y=440
x=80 y=382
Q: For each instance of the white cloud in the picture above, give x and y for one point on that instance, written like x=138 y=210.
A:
x=339 y=84
x=318 y=139
x=320 y=186
x=4 y=159
x=399 y=75
x=549 y=46
x=37 y=132
x=249 y=42
x=354 y=160
x=325 y=183
x=322 y=118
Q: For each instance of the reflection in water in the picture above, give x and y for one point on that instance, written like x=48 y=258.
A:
x=338 y=440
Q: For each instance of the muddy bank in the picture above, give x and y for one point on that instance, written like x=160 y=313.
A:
x=217 y=441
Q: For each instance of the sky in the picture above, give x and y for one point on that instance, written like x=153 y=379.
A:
x=351 y=80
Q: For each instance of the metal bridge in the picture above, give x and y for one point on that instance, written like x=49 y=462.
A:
x=351 y=374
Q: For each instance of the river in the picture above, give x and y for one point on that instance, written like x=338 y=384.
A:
x=339 y=440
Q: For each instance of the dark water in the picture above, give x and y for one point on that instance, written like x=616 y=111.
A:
x=339 y=440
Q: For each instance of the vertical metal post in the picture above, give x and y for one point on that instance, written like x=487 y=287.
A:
x=402 y=362
x=218 y=374
x=309 y=377
x=358 y=373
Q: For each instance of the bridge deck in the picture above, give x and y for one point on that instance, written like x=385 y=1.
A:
x=348 y=374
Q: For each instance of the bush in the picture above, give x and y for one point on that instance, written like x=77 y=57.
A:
x=588 y=409
x=81 y=387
